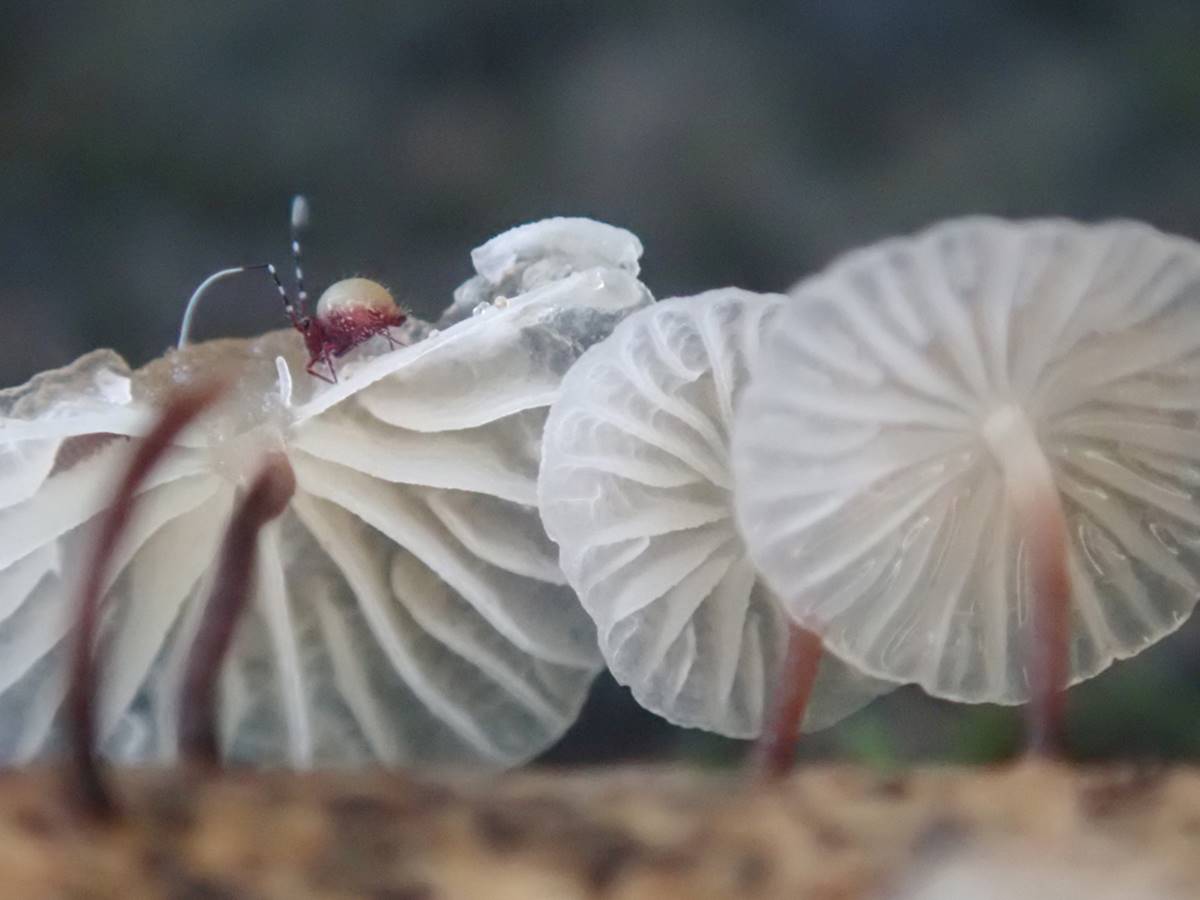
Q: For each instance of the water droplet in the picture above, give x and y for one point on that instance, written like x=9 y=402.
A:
x=481 y=309
x=434 y=332
x=501 y=302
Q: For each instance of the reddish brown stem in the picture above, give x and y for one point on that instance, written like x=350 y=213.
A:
x=266 y=499
x=83 y=683
x=776 y=749
x=1038 y=514
x=1050 y=639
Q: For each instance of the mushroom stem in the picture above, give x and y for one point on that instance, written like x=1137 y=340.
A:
x=265 y=500
x=83 y=683
x=1039 y=513
x=776 y=748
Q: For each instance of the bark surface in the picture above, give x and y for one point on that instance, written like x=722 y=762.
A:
x=826 y=832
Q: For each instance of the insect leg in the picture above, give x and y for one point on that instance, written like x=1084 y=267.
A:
x=311 y=369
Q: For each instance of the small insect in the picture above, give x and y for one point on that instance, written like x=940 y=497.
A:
x=348 y=313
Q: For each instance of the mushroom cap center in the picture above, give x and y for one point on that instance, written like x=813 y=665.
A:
x=1013 y=442
x=353 y=294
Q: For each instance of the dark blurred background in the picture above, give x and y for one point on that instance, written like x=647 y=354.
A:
x=144 y=145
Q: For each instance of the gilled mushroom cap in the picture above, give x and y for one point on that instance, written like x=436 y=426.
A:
x=906 y=382
x=635 y=488
x=408 y=607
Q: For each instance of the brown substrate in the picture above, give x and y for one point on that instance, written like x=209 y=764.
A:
x=829 y=832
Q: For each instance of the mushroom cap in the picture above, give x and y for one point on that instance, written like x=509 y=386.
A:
x=866 y=490
x=635 y=487
x=408 y=605
x=530 y=256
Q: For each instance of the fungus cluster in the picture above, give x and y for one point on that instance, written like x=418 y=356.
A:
x=407 y=605
x=967 y=459
x=636 y=488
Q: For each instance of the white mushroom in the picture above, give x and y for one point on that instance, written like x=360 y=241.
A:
x=635 y=488
x=408 y=606
x=530 y=256
x=943 y=428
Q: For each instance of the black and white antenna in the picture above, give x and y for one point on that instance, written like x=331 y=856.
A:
x=288 y=307
x=299 y=223
x=294 y=310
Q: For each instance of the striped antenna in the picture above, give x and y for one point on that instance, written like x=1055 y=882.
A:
x=299 y=223
x=288 y=306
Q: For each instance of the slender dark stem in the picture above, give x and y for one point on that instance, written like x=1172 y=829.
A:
x=1037 y=512
x=83 y=683
x=776 y=749
x=266 y=498
x=1050 y=639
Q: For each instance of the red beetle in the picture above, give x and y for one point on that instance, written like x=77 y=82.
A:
x=349 y=312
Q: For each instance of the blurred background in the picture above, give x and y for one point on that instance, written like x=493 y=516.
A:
x=145 y=145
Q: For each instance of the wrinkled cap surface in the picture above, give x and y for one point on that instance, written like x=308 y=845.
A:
x=532 y=255
x=866 y=491
x=408 y=606
x=635 y=488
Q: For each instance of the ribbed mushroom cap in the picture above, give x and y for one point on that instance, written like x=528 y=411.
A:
x=906 y=383
x=409 y=608
x=635 y=489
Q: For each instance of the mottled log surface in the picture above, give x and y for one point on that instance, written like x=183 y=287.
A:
x=827 y=832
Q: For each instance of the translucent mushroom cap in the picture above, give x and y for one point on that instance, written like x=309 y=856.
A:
x=870 y=449
x=530 y=256
x=635 y=488
x=408 y=607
